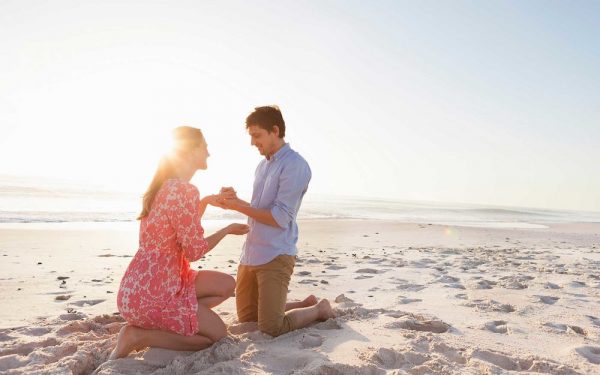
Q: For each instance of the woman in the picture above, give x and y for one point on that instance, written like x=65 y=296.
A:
x=165 y=303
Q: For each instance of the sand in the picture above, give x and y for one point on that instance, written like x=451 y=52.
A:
x=410 y=298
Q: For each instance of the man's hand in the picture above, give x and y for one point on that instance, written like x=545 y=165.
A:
x=228 y=198
x=228 y=192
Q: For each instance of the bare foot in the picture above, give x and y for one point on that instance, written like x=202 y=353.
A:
x=127 y=341
x=325 y=311
x=310 y=301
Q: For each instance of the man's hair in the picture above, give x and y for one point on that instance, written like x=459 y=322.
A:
x=266 y=117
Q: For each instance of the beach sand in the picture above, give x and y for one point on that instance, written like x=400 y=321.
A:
x=409 y=298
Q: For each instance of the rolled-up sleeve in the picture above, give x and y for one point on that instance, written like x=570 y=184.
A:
x=293 y=183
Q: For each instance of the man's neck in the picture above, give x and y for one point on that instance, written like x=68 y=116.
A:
x=278 y=147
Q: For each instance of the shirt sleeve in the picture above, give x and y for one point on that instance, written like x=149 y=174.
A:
x=293 y=183
x=184 y=215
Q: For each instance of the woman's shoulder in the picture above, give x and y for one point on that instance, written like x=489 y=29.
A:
x=176 y=186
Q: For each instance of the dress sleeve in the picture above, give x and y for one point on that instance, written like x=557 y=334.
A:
x=184 y=215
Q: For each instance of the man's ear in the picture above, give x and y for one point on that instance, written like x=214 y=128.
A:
x=276 y=130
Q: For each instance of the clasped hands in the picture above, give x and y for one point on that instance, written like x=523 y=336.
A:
x=226 y=199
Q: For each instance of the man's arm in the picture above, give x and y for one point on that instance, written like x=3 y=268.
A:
x=293 y=182
x=261 y=215
x=232 y=202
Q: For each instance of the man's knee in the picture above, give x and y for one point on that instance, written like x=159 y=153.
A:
x=270 y=328
x=275 y=327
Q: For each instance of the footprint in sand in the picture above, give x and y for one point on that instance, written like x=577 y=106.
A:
x=595 y=321
x=367 y=270
x=551 y=286
x=313 y=260
x=334 y=267
x=420 y=324
x=308 y=281
x=362 y=277
x=397 y=281
x=504 y=361
x=497 y=326
x=35 y=331
x=411 y=287
x=566 y=328
x=548 y=300
x=446 y=279
x=72 y=316
x=490 y=305
x=591 y=353
x=311 y=340
x=5 y=337
x=405 y=301
x=386 y=358
x=455 y=286
x=89 y=302
x=484 y=284
x=514 y=284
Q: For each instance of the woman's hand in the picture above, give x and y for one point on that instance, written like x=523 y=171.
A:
x=214 y=200
x=237 y=229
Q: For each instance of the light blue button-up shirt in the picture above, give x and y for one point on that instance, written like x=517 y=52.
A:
x=279 y=185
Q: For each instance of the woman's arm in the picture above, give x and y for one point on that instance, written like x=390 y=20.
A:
x=216 y=237
x=213 y=200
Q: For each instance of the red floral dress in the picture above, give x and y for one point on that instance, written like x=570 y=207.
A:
x=158 y=290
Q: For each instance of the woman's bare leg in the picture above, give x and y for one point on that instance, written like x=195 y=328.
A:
x=307 y=302
x=211 y=329
x=134 y=338
x=212 y=288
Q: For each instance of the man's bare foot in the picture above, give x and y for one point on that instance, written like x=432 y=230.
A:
x=310 y=301
x=325 y=311
x=127 y=341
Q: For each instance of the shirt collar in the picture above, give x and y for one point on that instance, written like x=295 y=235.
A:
x=280 y=153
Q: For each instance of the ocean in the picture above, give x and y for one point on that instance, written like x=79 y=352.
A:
x=35 y=201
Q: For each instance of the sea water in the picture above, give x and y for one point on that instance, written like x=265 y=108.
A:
x=37 y=201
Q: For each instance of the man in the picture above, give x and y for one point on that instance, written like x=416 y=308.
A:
x=268 y=255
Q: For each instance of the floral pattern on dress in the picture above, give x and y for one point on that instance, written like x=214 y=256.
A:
x=158 y=289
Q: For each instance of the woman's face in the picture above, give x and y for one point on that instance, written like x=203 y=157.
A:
x=199 y=156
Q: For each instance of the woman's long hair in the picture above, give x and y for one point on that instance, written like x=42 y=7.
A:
x=185 y=139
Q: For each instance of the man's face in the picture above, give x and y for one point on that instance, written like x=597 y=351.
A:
x=264 y=141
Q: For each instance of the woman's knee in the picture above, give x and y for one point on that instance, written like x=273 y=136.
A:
x=229 y=286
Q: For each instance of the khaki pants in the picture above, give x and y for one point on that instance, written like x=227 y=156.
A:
x=261 y=294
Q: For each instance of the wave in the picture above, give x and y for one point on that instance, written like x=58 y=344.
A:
x=31 y=202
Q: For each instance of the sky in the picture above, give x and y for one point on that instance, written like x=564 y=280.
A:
x=494 y=102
